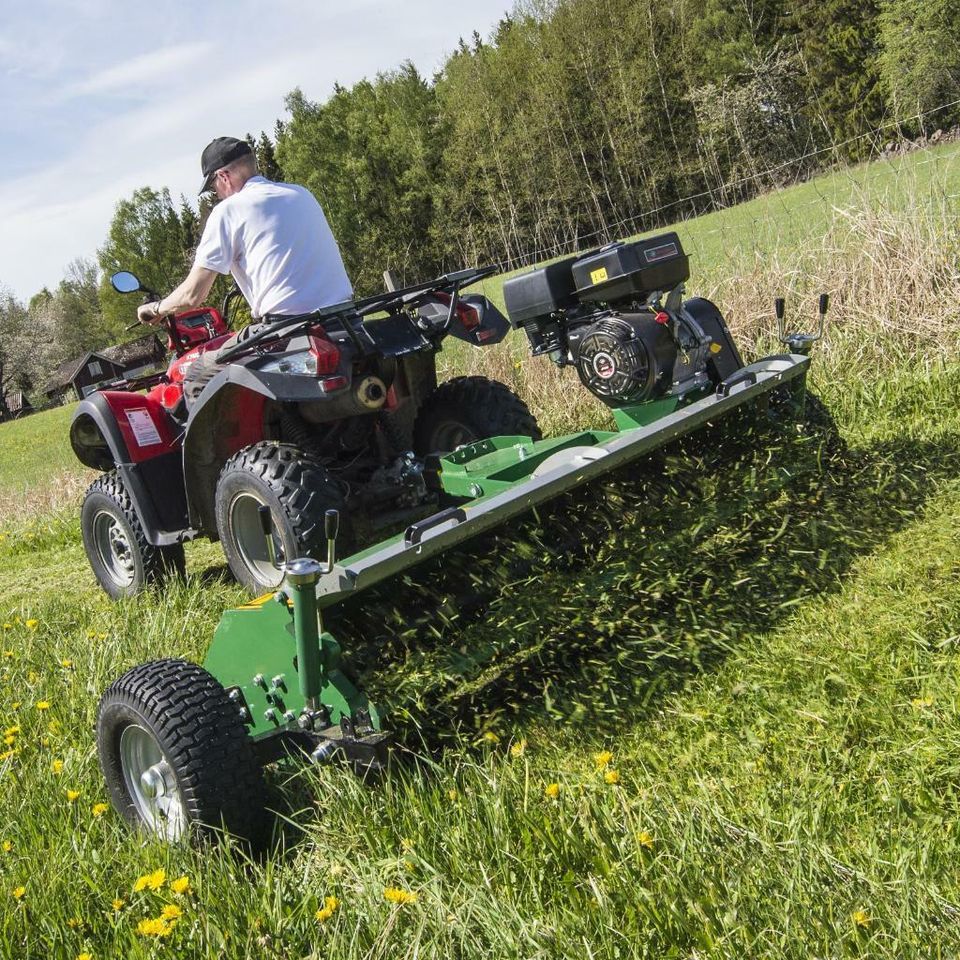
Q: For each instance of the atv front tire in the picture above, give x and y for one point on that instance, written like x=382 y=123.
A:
x=176 y=756
x=297 y=489
x=122 y=559
x=467 y=409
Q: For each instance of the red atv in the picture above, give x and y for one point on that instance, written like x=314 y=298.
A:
x=337 y=409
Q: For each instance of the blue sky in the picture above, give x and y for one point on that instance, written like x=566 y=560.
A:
x=101 y=97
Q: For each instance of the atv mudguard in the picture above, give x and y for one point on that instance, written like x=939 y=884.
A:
x=134 y=434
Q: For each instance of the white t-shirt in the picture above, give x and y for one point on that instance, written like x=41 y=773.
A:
x=275 y=240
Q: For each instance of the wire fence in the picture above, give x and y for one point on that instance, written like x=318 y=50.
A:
x=652 y=216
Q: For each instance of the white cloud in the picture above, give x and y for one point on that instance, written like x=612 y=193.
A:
x=149 y=67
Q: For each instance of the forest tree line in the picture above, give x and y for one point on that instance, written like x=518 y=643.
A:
x=575 y=122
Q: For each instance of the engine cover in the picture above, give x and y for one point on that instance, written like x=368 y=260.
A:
x=613 y=362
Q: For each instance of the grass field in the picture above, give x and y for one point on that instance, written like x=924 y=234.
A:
x=726 y=726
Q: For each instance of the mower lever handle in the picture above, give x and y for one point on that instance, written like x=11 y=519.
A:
x=414 y=533
x=745 y=376
x=331 y=524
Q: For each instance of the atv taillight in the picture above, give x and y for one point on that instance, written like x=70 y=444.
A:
x=326 y=355
x=468 y=315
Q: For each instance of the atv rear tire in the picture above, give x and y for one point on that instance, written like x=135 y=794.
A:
x=467 y=409
x=176 y=756
x=122 y=559
x=297 y=489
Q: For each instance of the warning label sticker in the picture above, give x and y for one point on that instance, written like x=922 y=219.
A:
x=143 y=427
x=598 y=276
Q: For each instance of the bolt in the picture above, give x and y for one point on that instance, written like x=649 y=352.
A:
x=324 y=752
x=304 y=721
x=234 y=694
x=475 y=490
x=258 y=681
x=270 y=715
x=244 y=714
x=277 y=682
x=289 y=716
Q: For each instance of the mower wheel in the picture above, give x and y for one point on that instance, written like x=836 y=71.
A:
x=297 y=489
x=122 y=558
x=176 y=756
x=467 y=409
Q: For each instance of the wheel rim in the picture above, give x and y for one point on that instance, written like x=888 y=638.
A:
x=113 y=548
x=151 y=783
x=450 y=434
x=244 y=524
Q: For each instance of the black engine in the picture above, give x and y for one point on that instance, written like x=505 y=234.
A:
x=618 y=316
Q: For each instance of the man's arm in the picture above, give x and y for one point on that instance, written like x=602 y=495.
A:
x=191 y=293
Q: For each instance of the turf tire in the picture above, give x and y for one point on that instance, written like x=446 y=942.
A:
x=107 y=512
x=466 y=409
x=298 y=490
x=203 y=740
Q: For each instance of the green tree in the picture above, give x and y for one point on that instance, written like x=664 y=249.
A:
x=920 y=56
x=148 y=237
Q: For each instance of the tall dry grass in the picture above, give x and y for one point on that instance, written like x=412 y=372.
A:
x=892 y=271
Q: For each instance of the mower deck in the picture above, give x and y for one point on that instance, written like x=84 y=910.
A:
x=256 y=649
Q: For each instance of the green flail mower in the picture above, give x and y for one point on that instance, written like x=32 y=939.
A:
x=182 y=747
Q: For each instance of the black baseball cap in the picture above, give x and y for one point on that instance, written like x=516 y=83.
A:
x=217 y=154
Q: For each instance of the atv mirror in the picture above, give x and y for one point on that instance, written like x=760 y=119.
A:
x=125 y=282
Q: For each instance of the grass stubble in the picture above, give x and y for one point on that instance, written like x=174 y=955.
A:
x=707 y=708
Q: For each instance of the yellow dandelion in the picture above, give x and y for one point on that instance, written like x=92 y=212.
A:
x=406 y=844
x=453 y=795
x=18 y=893
x=399 y=896
x=99 y=809
x=861 y=918
x=918 y=703
x=31 y=624
x=117 y=904
x=74 y=922
x=156 y=927
x=517 y=750
x=16 y=705
x=57 y=766
x=12 y=731
x=645 y=839
x=181 y=886
x=43 y=704
x=103 y=636
x=10 y=740
x=7 y=846
x=491 y=737
x=152 y=881
x=602 y=759
x=66 y=664
x=84 y=956
x=611 y=776
x=72 y=795
x=12 y=752
x=91 y=634
x=328 y=909
x=552 y=791
x=171 y=912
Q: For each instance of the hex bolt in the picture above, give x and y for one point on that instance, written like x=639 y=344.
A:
x=475 y=490
x=234 y=694
x=244 y=714
x=277 y=682
x=270 y=715
x=289 y=716
x=258 y=681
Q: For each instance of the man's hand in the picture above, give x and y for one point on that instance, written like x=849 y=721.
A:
x=149 y=313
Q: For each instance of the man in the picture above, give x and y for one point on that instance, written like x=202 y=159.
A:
x=272 y=237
